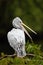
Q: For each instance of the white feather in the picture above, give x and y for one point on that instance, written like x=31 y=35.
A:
x=16 y=39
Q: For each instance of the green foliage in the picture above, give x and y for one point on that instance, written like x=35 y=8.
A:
x=28 y=60
x=33 y=48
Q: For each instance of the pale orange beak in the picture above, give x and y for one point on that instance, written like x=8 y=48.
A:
x=26 y=30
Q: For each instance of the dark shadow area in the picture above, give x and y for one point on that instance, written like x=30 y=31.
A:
x=4 y=45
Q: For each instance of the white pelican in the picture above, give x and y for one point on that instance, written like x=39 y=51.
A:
x=16 y=37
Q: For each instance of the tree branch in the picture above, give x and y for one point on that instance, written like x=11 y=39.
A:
x=14 y=55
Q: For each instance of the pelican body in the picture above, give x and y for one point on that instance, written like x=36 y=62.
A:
x=16 y=37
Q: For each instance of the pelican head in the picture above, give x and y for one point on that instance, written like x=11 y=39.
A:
x=17 y=23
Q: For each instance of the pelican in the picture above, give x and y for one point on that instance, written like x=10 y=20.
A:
x=16 y=37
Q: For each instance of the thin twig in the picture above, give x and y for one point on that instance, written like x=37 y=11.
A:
x=8 y=56
x=30 y=55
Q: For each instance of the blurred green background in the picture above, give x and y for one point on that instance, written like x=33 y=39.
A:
x=30 y=11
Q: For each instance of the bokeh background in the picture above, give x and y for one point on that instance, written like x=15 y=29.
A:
x=30 y=11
